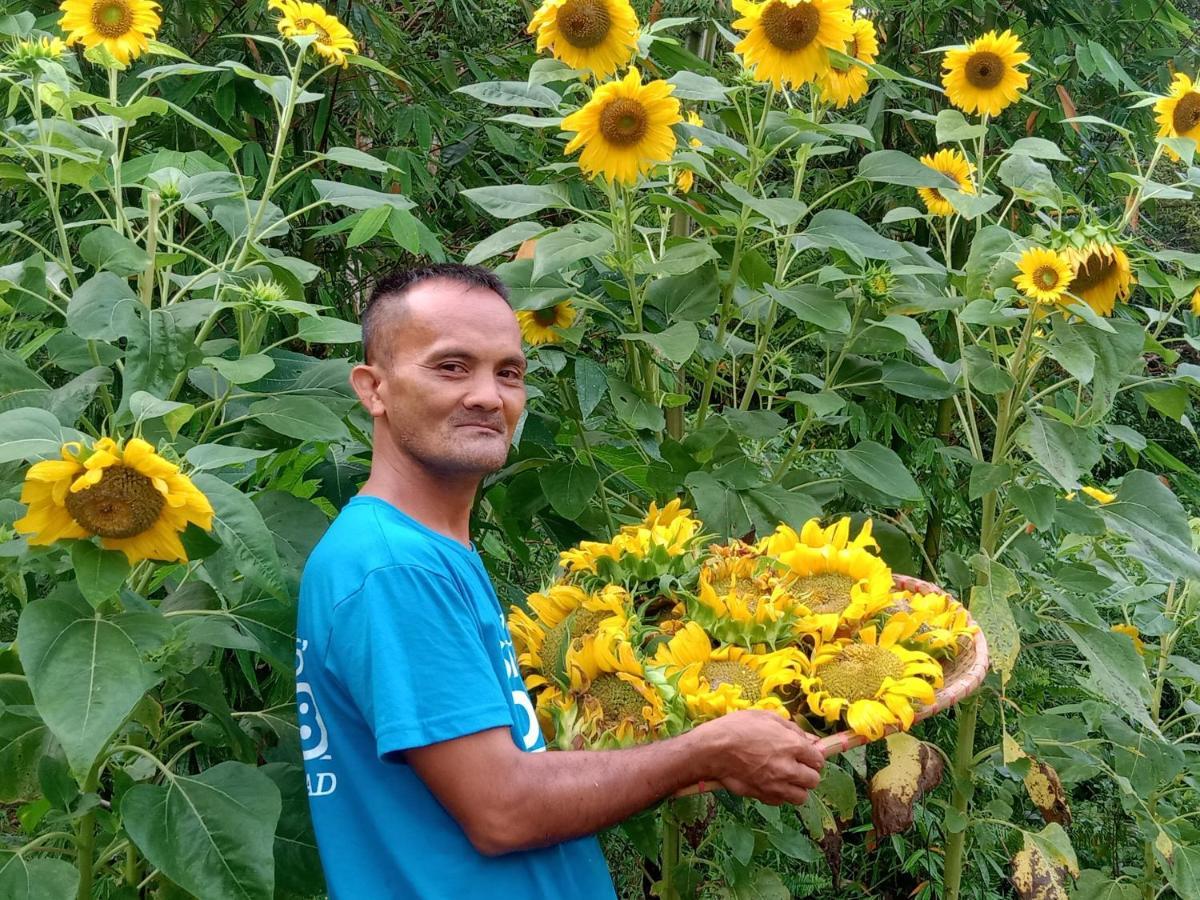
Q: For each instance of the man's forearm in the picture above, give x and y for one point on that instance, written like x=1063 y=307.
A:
x=560 y=796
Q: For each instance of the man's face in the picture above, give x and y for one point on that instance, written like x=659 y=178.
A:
x=451 y=378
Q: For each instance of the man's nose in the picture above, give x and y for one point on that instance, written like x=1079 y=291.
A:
x=483 y=393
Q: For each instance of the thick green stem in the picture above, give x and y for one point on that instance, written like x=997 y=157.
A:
x=964 y=788
x=85 y=838
x=670 y=852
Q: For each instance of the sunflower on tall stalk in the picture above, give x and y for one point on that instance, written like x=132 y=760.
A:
x=1101 y=273
x=845 y=83
x=127 y=495
x=124 y=28
x=985 y=77
x=1044 y=275
x=787 y=42
x=598 y=36
x=299 y=18
x=1178 y=113
x=954 y=166
x=543 y=326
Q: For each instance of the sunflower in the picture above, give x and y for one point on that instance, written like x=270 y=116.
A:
x=638 y=552
x=25 y=53
x=942 y=622
x=563 y=616
x=1045 y=274
x=716 y=681
x=130 y=497
x=610 y=700
x=1178 y=113
x=1196 y=302
x=1131 y=632
x=541 y=326
x=835 y=589
x=1101 y=497
x=693 y=118
x=788 y=41
x=954 y=166
x=1102 y=275
x=597 y=35
x=124 y=27
x=737 y=603
x=983 y=76
x=841 y=87
x=871 y=680
x=672 y=512
x=836 y=536
x=300 y=18
x=625 y=128
x=685 y=179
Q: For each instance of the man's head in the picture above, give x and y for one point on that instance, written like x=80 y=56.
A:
x=444 y=376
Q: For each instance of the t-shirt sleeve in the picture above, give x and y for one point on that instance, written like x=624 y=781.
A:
x=410 y=652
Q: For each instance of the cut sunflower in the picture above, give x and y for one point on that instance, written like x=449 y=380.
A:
x=541 y=326
x=941 y=622
x=811 y=534
x=787 y=42
x=625 y=129
x=611 y=700
x=1045 y=274
x=123 y=27
x=954 y=166
x=1178 y=113
x=563 y=617
x=1102 y=275
x=843 y=86
x=715 y=681
x=597 y=35
x=871 y=680
x=738 y=603
x=130 y=497
x=984 y=77
x=299 y=18
x=835 y=590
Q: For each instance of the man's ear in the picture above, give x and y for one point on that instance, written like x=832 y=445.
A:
x=367 y=382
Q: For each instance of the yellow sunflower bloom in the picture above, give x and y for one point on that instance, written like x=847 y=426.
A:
x=563 y=616
x=25 y=52
x=685 y=180
x=1178 y=113
x=668 y=514
x=597 y=35
x=1101 y=497
x=1131 y=632
x=836 y=537
x=625 y=129
x=610 y=700
x=941 y=623
x=130 y=497
x=871 y=681
x=1102 y=275
x=954 y=166
x=835 y=589
x=124 y=27
x=541 y=326
x=716 y=681
x=299 y=18
x=843 y=86
x=983 y=77
x=1196 y=302
x=787 y=42
x=1045 y=274
x=739 y=604
x=693 y=118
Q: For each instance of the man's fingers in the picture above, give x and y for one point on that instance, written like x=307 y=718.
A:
x=810 y=755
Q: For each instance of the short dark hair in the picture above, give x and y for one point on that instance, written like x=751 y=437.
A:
x=384 y=305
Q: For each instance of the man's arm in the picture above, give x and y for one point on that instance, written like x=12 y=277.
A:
x=507 y=800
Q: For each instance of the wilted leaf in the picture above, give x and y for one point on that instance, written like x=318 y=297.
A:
x=915 y=768
x=1035 y=877
x=1046 y=791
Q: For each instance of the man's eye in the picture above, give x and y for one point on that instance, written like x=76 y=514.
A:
x=513 y=373
x=453 y=367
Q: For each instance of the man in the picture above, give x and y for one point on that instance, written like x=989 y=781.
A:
x=419 y=739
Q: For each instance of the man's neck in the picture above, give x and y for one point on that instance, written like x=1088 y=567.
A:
x=437 y=501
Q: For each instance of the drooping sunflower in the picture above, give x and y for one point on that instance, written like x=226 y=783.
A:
x=835 y=590
x=715 y=681
x=597 y=35
x=124 y=27
x=954 y=166
x=1102 y=275
x=738 y=603
x=1178 y=113
x=563 y=616
x=787 y=42
x=130 y=497
x=610 y=700
x=843 y=86
x=942 y=622
x=625 y=129
x=871 y=680
x=811 y=534
x=984 y=77
x=1045 y=274
x=299 y=18
x=540 y=326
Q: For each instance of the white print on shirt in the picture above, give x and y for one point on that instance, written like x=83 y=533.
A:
x=314 y=738
x=533 y=733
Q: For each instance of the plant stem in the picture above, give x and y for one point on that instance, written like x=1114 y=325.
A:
x=670 y=852
x=964 y=752
x=85 y=838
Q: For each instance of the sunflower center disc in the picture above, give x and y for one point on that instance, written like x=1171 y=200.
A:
x=743 y=589
x=791 y=27
x=1046 y=277
x=985 y=69
x=618 y=698
x=623 y=121
x=580 y=623
x=1187 y=113
x=718 y=672
x=111 y=18
x=584 y=23
x=123 y=503
x=545 y=317
x=825 y=593
x=859 y=670
x=1093 y=271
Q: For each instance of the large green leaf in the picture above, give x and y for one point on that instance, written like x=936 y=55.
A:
x=1116 y=670
x=676 y=343
x=303 y=418
x=352 y=196
x=29 y=433
x=212 y=834
x=568 y=245
x=569 y=487
x=110 y=250
x=895 y=167
x=836 y=228
x=85 y=671
x=881 y=468
x=103 y=308
x=240 y=527
x=1184 y=871
x=1149 y=515
x=515 y=201
x=512 y=93
x=1066 y=453
x=987 y=266
x=36 y=877
x=98 y=572
x=989 y=605
x=24 y=741
x=297 y=864
x=813 y=303
x=1096 y=885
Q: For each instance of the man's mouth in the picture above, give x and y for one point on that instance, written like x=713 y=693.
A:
x=488 y=425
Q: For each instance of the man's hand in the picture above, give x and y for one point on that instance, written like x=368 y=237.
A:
x=761 y=755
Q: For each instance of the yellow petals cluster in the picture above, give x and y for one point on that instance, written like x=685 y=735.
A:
x=542 y=326
x=124 y=28
x=1044 y=275
x=843 y=85
x=954 y=166
x=1178 y=113
x=984 y=77
x=131 y=498
x=1101 y=275
x=787 y=42
x=599 y=36
x=299 y=18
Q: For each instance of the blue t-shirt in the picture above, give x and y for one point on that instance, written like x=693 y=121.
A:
x=401 y=643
